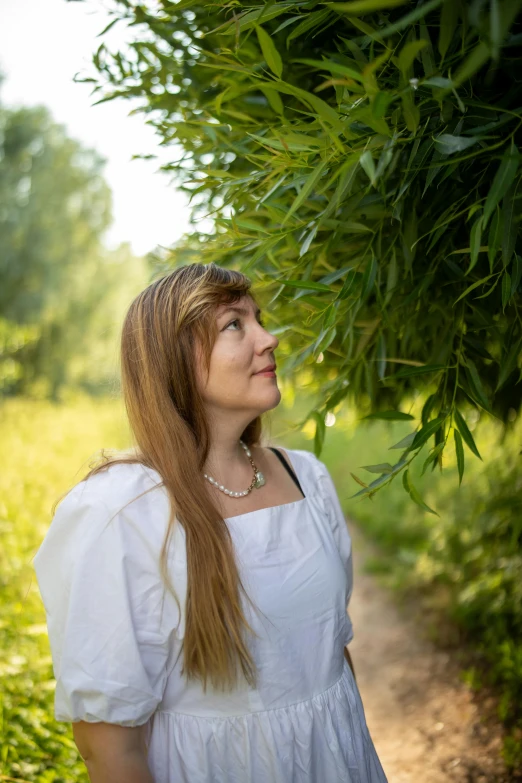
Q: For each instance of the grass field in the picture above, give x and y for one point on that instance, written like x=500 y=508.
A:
x=44 y=450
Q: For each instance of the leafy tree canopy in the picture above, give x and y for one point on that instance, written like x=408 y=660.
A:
x=363 y=159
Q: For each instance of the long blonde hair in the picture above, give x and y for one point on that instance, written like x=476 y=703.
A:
x=161 y=330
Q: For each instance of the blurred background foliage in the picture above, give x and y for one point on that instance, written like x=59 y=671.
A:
x=361 y=161
x=62 y=293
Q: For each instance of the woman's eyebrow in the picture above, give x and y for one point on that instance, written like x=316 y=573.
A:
x=240 y=310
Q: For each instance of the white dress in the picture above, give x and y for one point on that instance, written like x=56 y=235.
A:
x=115 y=646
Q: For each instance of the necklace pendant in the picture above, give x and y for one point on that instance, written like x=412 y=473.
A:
x=260 y=480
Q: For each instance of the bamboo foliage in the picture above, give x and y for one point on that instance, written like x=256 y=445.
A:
x=362 y=159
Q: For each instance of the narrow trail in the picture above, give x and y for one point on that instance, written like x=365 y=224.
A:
x=426 y=724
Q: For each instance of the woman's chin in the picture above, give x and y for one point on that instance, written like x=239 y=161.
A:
x=272 y=401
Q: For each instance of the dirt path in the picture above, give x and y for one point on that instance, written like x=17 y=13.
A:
x=425 y=722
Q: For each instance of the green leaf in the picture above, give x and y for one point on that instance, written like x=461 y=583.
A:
x=506 y=289
x=509 y=364
x=307 y=188
x=361 y=7
x=511 y=219
x=476 y=383
x=329 y=65
x=391 y=281
x=503 y=180
x=516 y=270
x=270 y=53
x=280 y=143
x=467 y=437
x=225 y=66
x=308 y=284
x=437 y=81
x=384 y=479
x=405 y=442
x=472 y=63
x=308 y=240
x=427 y=408
x=428 y=63
x=448 y=144
x=406 y=481
x=432 y=456
x=448 y=22
x=368 y=165
x=460 y=454
x=409 y=19
x=351 y=279
x=411 y=113
x=381 y=102
x=330 y=315
x=323 y=109
x=320 y=429
x=250 y=225
x=471 y=287
x=368 y=280
x=414 y=494
x=287 y=22
x=250 y=18
x=111 y=24
x=358 y=480
x=309 y=21
x=406 y=372
x=426 y=432
x=408 y=54
x=383 y=467
x=389 y=416
x=494 y=237
x=274 y=99
x=495 y=28
x=475 y=243
x=489 y=291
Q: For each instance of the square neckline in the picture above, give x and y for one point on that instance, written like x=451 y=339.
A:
x=280 y=505
x=267 y=508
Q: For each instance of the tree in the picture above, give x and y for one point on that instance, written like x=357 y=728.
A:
x=363 y=158
x=54 y=207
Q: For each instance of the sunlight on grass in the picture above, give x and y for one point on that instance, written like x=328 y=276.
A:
x=44 y=450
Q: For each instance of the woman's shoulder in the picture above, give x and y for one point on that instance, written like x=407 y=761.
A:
x=304 y=457
x=305 y=462
x=118 y=501
x=112 y=488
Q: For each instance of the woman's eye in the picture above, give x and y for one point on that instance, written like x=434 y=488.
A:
x=238 y=321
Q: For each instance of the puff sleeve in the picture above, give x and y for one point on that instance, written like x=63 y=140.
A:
x=341 y=534
x=102 y=593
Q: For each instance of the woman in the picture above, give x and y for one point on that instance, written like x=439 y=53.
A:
x=196 y=587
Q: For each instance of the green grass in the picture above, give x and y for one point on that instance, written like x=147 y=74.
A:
x=44 y=450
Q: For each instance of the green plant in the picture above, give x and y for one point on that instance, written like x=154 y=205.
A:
x=362 y=160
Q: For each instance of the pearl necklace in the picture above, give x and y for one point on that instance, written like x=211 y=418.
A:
x=258 y=481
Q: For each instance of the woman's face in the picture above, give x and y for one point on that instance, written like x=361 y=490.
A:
x=242 y=348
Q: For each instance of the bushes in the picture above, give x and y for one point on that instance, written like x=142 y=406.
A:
x=466 y=564
x=477 y=551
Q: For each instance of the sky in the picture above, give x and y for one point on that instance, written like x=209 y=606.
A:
x=43 y=44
